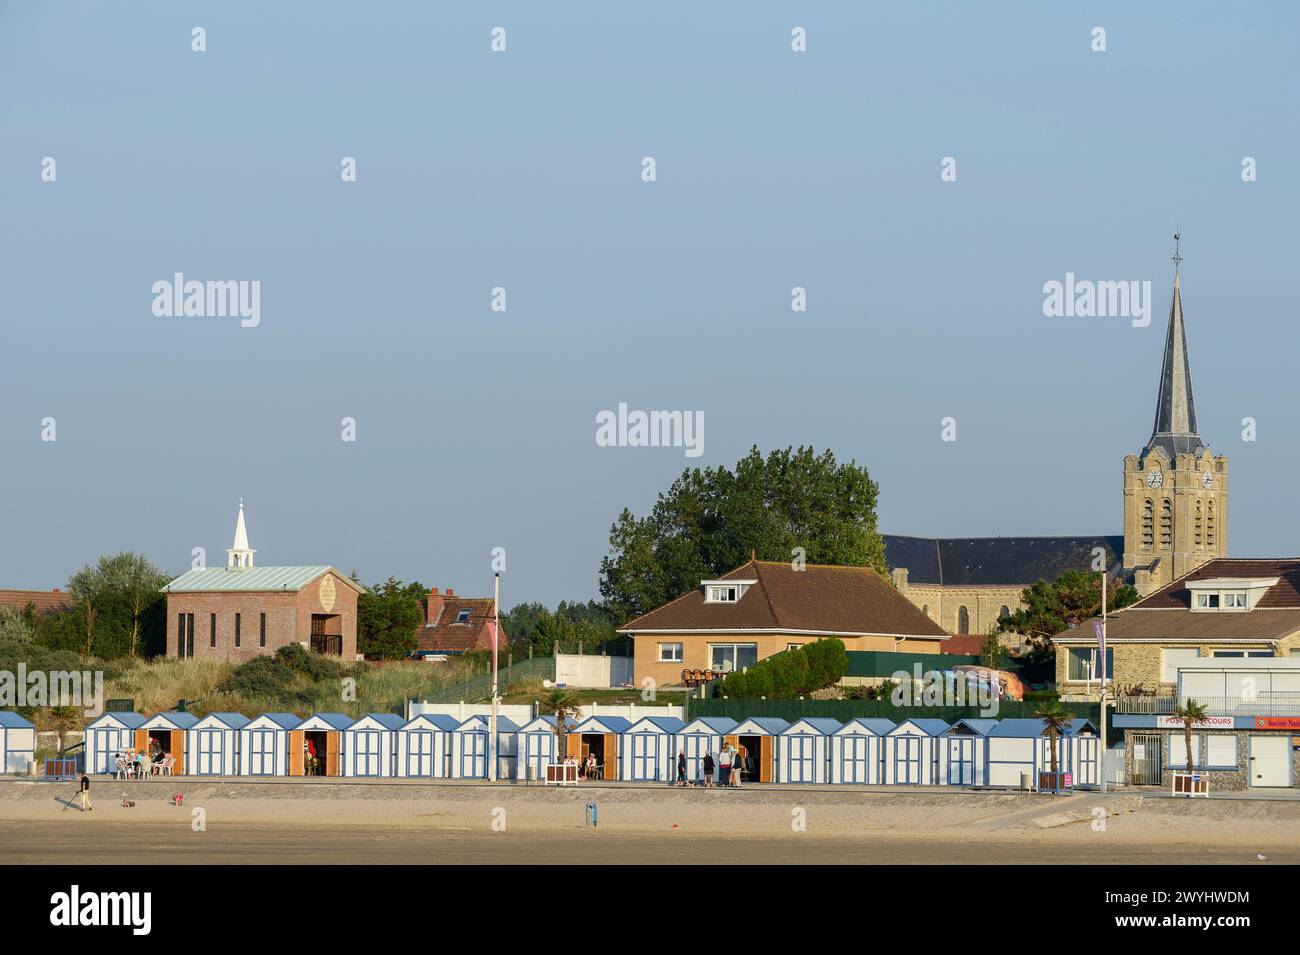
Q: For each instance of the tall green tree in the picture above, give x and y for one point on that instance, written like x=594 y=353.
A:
x=139 y=585
x=388 y=616
x=119 y=600
x=709 y=521
x=1050 y=608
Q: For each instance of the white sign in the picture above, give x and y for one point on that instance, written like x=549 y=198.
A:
x=1173 y=722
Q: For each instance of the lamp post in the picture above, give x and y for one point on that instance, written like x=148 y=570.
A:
x=496 y=700
x=1101 y=654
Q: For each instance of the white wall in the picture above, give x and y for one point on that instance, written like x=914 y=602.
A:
x=592 y=672
x=521 y=713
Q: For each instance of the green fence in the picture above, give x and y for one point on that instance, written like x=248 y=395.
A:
x=479 y=688
x=885 y=663
x=845 y=710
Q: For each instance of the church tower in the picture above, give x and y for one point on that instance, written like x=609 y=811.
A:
x=240 y=555
x=1175 y=490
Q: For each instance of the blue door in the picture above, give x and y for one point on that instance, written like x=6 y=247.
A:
x=538 y=748
x=419 y=753
x=802 y=758
x=261 y=752
x=210 y=753
x=855 y=760
x=961 y=761
x=365 y=758
x=473 y=755
x=645 y=757
x=695 y=745
x=907 y=760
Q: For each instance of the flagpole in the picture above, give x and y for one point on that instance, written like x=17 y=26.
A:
x=1101 y=757
x=496 y=700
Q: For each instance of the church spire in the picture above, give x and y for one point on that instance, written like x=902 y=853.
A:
x=240 y=555
x=1175 y=426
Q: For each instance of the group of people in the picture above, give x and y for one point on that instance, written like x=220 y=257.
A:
x=587 y=768
x=731 y=766
x=142 y=762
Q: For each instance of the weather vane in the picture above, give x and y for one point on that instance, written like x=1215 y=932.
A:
x=1176 y=257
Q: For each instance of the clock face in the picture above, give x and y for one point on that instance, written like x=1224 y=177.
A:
x=1207 y=480
x=1155 y=477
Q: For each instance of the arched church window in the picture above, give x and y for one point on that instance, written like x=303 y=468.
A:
x=1004 y=613
x=925 y=609
x=1199 y=527
x=963 y=620
x=1148 y=523
x=1209 y=524
x=1166 y=523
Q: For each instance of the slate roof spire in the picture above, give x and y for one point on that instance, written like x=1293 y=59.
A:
x=1175 y=426
x=240 y=555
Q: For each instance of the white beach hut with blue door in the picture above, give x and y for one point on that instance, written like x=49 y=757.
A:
x=109 y=735
x=424 y=746
x=756 y=739
x=213 y=744
x=911 y=750
x=704 y=734
x=371 y=746
x=469 y=748
x=535 y=747
x=316 y=745
x=264 y=744
x=648 y=749
x=1019 y=747
x=598 y=736
x=17 y=742
x=165 y=733
x=1084 y=753
x=963 y=753
x=805 y=749
x=858 y=751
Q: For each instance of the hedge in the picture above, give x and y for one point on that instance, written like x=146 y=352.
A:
x=845 y=710
x=783 y=675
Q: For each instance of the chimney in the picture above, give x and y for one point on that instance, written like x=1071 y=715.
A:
x=433 y=607
x=450 y=592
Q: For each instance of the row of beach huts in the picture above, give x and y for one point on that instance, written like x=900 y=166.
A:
x=865 y=751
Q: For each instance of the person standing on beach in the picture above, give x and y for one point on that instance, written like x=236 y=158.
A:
x=708 y=770
x=681 y=768
x=724 y=763
x=85 y=793
x=736 y=762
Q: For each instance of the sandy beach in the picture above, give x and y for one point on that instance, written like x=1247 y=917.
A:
x=239 y=821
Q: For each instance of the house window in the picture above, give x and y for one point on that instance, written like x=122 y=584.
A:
x=963 y=620
x=731 y=657
x=1207 y=601
x=1172 y=659
x=180 y=634
x=1243 y=653
x=724 y=595
x=462 y=616
x=1234 y=599
x=212 y=631
x=261 y=630
x=237 y=630
x=793 y=646
x=1082 y=665
x=1209 y=751
x=1148 y=524
x=670 y=653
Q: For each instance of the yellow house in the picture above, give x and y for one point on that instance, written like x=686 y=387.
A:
x=765 y=607
x=1228 y=607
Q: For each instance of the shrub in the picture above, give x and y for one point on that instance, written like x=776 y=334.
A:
x=811 y=667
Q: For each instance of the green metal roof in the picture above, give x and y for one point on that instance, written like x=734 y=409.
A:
x=252 y=578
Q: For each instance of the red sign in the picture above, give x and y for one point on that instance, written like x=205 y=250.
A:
x=1277 y=722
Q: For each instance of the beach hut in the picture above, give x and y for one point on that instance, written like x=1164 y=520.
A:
x=1022 y=746
x=264 y=744
x=17 y=742
x=910 y=752
x=469 y=748
x=213 y=744
x=597 y=736
x=535 y=748
x=701 y=735
x=963 y=753
x=165 y=733
x=804 y=755
x=108 y=735
x=423 y=746
x=648 y=749
x=756 y=739
x=1084 y=762
x=858 y=751
x=371 y=745
x=316 y=745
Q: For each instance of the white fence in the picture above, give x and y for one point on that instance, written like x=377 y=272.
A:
x=592 y=672
x=521 y=713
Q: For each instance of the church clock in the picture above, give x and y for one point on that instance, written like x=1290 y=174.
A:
x=1155 y=478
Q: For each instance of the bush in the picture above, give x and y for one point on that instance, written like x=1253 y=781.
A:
x=811 y=667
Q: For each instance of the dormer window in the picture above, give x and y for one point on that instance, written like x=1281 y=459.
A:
x=724 y=595
x=1227 y=594
x=462 y=616
x=725 y=591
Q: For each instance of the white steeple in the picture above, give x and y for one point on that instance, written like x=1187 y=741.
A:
x=240 y=555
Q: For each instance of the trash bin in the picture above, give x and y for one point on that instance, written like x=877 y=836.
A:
x=1024 y=781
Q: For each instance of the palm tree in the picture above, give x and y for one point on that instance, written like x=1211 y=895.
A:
x=1190 y=712
x=562 y=704
x=1056 y=720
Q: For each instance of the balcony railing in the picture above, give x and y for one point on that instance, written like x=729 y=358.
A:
x=1268 y=703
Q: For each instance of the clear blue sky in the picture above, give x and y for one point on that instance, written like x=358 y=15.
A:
x=775 y=169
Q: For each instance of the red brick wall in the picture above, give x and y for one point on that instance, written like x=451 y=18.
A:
x=288 y=620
